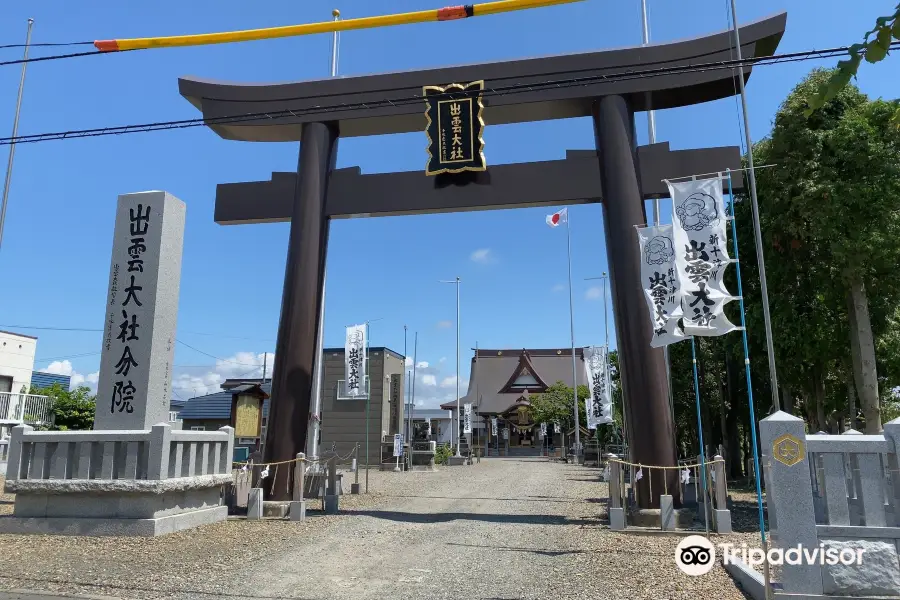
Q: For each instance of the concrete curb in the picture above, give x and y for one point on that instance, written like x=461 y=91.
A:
x=17 y=594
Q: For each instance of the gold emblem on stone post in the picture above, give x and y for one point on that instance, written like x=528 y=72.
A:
x=788 y=450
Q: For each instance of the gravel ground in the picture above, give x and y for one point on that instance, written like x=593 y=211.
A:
x=501 y=529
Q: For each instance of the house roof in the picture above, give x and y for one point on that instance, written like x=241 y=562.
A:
x=217 y=406
x=494 y=370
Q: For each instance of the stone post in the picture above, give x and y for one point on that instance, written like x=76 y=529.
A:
x=299 y=476
x=616 y=512
x=331 y=495
x=255 y=504
x=141 y=312
x=783 y=440
x=158 y=453
x=722 y=514
x=892 y=434
x=14 y=458
x=227 y=461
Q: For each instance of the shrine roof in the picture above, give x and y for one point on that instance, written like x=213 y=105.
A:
x=492 y=370
x=516 y=91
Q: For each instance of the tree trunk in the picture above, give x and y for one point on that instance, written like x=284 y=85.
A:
x=862 y=349
x=787 y=400
x=819 y=398
x=851 y=402
x=809 y=407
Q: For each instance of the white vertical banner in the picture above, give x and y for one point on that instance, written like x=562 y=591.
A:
x=493 y=425
x=659 y=277
x=398 y=444
x=599 y=405
x=467 y=418
x=428 y=427
x=543 y=431
x=701 y=254
x=355 y=360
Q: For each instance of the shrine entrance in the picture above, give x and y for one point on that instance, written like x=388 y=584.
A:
x=608 y=86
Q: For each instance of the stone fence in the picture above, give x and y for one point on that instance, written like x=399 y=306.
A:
x=160 y=453
x=141 y=482
x=833 y=492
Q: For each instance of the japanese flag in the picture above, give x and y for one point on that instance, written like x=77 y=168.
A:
x=558 y=218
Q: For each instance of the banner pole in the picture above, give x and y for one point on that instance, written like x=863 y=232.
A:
x=700 y=432
x=572 y=333
x=759 y=501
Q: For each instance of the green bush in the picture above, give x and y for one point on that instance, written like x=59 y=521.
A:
x=442 y=453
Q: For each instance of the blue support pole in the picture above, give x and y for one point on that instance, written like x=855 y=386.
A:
x=700 y=432
x=737 y=265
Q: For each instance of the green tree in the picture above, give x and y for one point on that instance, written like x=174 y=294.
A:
x=874 y=48
x=830 y=211
x=556 y=405
x=69 y=409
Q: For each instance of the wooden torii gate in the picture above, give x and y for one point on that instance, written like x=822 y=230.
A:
x=617 y=174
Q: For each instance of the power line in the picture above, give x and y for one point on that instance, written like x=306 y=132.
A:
x=46 y=44
x=216 y=335
x=496 y=91
x=213 y=356
x=32 y=59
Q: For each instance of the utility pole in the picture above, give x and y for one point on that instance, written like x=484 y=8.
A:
x=15 y=132
x=458 y=433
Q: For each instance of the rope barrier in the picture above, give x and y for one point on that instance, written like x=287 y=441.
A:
x=679 y=467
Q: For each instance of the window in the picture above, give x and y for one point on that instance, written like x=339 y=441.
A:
x=525 y=380
x=198 y=428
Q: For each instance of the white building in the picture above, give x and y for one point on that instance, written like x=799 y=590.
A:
x=16 y=361
x=16 y=367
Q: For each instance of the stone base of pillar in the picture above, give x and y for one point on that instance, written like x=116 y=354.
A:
x=354 y=488
x=617 y=519
x=255 y=504
x=666 y=513
x=297 y=511
x=275 y=509
x=331 y=504
x=455 y=461
x=723 y=521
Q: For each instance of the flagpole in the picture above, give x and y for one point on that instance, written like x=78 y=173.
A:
x=315 y=409
x=700 y=431
x=756 y=471
x=754 y=204
x=15 y=130
x=572 y=335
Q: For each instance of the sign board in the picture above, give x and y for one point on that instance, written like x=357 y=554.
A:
x=506 y=434
x=355 y=361
x=398 y=444
x=396 y=402
x=141 y=312
x=247 y=416
x=543 y=430
x=467 y=418
x=454 y=128
x=493 y=425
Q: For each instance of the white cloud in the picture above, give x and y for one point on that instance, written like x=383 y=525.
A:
x=558 y=287
x=435 y=386
x=409 y=361
x=594 y=293
x=444 y=359
x=64 y=367
x=188 y=384
x=482 y=255
x=444 y=324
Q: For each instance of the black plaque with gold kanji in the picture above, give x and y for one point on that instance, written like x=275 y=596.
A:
x=454 y=128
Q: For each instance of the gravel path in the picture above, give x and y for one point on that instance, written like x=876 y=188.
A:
x=501 y=529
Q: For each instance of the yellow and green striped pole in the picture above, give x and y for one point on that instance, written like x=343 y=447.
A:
x=449 y=13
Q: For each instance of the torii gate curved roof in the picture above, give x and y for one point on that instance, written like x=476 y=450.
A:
x=367 y=113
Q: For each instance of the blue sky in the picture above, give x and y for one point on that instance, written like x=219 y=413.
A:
x=54 y=262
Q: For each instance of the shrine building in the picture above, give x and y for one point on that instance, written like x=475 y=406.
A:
x=501 y=382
